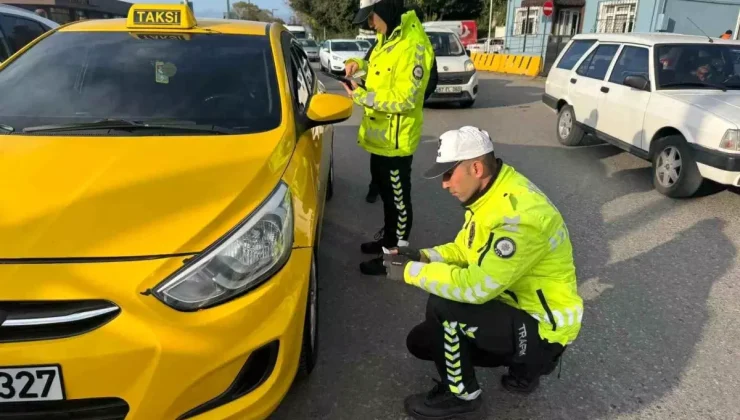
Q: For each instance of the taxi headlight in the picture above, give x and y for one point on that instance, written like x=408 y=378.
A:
x=256 y=249
x=469 y=66
x=731 y=141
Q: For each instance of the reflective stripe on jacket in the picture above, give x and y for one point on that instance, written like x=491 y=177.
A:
x=397 y=75
x=514 y=247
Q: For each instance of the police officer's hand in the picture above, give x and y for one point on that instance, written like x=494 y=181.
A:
x=350 y=68
x=395 y=266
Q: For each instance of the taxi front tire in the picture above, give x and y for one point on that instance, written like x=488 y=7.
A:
x=309 y=346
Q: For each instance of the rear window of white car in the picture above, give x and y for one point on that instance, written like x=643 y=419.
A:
x=574 y=53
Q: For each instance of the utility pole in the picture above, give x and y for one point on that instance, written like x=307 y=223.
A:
x=490 y=23
x=228 y=9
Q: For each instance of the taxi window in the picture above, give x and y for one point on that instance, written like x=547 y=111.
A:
x=78 y=77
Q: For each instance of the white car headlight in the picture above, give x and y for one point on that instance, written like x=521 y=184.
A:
x=731 y=141
x=257 y=248
x=338 y=58
x=469 y=66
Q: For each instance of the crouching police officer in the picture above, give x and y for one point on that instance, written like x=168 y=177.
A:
x=398 y=73
x=503 y=293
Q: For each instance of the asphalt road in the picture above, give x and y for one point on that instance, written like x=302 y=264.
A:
x=659 y=277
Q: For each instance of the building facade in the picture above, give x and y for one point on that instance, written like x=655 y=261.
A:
x=64 y=11
x=530 y=32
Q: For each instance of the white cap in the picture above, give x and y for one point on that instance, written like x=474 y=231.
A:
x=455 y=146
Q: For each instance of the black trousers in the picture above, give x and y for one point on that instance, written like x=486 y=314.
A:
x=459 y=336
x=392 y=175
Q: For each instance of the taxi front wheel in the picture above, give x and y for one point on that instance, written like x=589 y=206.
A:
x=309 y=347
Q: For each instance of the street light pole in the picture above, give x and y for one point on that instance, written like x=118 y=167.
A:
x=228 y=9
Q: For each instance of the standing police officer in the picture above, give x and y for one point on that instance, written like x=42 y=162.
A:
x=393 y=99
x=503 y=293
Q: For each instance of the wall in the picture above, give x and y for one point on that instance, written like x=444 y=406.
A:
x=713 y=17
x=534 y=43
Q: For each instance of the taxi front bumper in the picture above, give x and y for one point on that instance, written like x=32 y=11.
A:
x=233 y=361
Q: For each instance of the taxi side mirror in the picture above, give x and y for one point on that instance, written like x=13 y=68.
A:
x=329 y=108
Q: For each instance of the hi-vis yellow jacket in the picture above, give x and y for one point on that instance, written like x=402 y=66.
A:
x=514 y=247
x=397 y=76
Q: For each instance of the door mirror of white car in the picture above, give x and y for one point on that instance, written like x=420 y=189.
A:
x=637 y=82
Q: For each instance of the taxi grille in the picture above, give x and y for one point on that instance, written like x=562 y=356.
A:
x=46 y=320
x=459 y=78
x=84 y=409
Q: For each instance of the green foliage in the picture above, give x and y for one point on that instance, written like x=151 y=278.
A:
x=248 y=11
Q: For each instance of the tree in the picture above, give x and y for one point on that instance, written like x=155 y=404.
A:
x=248 y=11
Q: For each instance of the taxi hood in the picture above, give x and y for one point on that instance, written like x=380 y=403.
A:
x=80 y=197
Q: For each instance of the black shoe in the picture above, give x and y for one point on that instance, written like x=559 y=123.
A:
x=373 y=267
x=440 y=403
x=375 y=247
x=519 y=385
x=372 y=194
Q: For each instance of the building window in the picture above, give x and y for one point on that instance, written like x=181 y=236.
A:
x=527 y=24
x=616 y=16
x=569 y=22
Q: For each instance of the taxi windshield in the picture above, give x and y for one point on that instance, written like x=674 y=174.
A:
x=80 y=77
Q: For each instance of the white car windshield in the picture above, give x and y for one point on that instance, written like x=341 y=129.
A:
x=698 y=66
x=344 y=46
x=446 y=44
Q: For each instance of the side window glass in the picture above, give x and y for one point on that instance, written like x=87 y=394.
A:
x=633 y=61
x=305 y=65
x=597 y=63
x=574 y=53
x=4 y=53
x=19 y=31
x=301 y=91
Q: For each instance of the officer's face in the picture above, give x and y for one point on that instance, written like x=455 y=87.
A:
x=464 y=180
x=376 y=23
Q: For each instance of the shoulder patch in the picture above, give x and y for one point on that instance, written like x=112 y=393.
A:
x=504 y=247
x=418 y=72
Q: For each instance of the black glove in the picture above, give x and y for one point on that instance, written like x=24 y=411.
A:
x=412 y=253
x=395 y=266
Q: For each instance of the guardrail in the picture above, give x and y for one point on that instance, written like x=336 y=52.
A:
x=525 y=65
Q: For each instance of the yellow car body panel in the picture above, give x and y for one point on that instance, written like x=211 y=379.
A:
x=167 y=198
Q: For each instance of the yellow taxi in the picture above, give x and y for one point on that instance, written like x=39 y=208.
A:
x=163 y=184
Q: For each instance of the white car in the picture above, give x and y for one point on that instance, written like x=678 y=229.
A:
x=311 y=48
x=334 y=52
x=364 y=44
x=20 y=27
x=671 y=99
x=494 y=46
x=458 y=79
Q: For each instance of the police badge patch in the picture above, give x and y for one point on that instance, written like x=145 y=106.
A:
x=418 y=72
x=471 y=235
x=504 y=247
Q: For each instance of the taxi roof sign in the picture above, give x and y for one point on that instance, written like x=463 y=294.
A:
x=160 y=16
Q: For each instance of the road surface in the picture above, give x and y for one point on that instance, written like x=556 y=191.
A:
x=659 y=277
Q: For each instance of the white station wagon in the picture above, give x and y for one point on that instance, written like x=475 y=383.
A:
x=671 y=99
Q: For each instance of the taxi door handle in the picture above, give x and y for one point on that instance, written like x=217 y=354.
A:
x=573 y=80
x=605 y=89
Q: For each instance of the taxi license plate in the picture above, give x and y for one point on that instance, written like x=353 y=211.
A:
x=449 y=89
x=31 y=383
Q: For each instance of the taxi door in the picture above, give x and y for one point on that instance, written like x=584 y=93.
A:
x=314 y=145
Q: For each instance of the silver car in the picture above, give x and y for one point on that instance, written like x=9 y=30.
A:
x=19 y=27
x=311 y=49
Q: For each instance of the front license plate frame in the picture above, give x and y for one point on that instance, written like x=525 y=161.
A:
x=31 y=383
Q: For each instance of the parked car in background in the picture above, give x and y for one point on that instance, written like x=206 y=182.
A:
x=492 y=46
x=18 y=27
x=311 y=48
x=670 y=99
x=365 y=45
x=457 y=77
x=334 y=52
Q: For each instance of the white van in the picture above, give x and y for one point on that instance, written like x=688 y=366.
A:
x=458 y=79
x=671 y=99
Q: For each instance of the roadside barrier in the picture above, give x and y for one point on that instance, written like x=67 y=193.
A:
x=525 y=65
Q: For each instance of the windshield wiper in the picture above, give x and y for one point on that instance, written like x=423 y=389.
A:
x=700 y=84
x=121 y=124
x=6 y=128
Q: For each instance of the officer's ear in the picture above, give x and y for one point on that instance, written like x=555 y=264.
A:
x=478 y=169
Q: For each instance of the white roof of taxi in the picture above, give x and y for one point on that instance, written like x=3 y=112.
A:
x=652 y=38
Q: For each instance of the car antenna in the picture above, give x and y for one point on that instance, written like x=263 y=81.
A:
x=711 y=41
